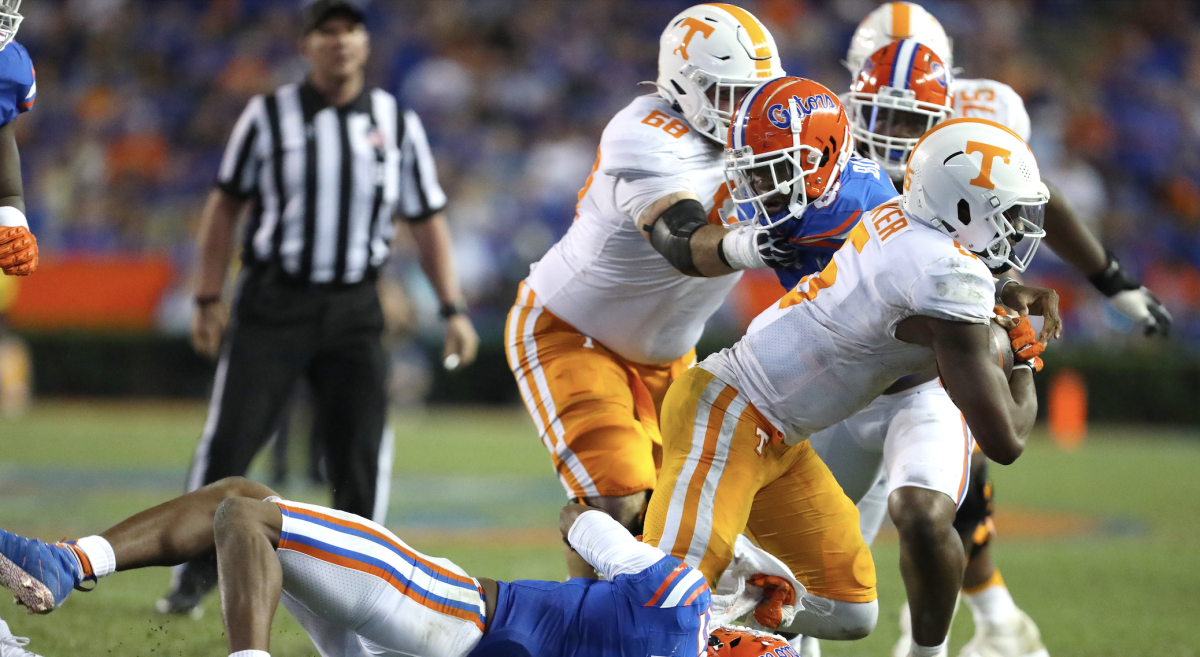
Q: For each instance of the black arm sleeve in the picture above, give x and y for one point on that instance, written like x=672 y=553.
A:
x=671 y=234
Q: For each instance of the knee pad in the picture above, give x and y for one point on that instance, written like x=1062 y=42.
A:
x=974 y=517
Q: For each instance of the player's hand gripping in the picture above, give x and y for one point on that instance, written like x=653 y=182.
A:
x=461 y=343
x=1025 y=345
x=1127 y=294
x=18 y=251
x=1042 y=301
x=209 y=319
x=777 y=592
x=750 y=247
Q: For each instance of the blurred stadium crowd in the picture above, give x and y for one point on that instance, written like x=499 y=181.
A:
x=136 y=98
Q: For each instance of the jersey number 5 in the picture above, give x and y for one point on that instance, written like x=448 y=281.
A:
x=673 y=127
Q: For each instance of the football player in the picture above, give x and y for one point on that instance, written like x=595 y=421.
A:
x=358 y=590
x=18 y=246
x=889 y=110
x=611 y=314
x=828 y=349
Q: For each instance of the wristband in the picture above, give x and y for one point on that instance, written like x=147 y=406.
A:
x=452 y=308
x=11 y=217
x=1001 y=283
x=207 y=300
x=738 y=249
x=1113 y=279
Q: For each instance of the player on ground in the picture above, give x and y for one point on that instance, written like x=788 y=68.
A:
x=611 y=314
x=899 y=296
x=359 y=591
x=18 y=246
x=887 y=117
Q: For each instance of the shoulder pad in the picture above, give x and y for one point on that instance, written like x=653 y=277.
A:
x=649 y=138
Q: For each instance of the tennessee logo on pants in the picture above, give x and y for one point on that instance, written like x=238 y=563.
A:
x=723 y=474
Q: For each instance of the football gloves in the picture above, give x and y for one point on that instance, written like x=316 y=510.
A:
x=750 y=247
x=18 y=251
x=777 y=592
x=1025 y=345
x=1127 y=294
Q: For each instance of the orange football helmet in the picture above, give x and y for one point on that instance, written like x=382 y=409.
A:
x=902 y=91
x=744 y=642
x=787 y=146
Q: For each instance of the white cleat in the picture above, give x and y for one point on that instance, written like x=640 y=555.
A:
x=1016 y=637
x=14 y=646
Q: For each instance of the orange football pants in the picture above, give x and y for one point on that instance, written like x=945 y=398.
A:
x=597 y=413
x=725 y=472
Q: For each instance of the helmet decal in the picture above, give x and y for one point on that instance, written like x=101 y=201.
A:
x=990 y=153
x=693 y=26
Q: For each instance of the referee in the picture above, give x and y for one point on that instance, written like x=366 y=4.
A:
x=321 y=168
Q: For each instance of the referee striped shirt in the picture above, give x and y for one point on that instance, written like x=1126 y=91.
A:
x=326 y=180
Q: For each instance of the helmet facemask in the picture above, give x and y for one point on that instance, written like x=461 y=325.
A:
x=708 y=101
x=755 y=180
x=887 y=125
x=10 y=21
x=1018 y=230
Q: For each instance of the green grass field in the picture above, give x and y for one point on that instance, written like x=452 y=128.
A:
x=1100 y=546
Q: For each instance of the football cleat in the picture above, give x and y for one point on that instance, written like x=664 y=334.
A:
x=14 y=646
x=40 y=575
x=1017 y=637
x=192 y=582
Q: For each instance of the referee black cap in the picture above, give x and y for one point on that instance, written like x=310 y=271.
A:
x=317 y=11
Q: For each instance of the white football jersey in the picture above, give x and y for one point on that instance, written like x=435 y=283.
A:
x=994 y=101
x=603 y=277
x=827 y=348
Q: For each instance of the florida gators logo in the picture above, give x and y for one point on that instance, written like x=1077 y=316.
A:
x=780 y=116
x=937 y=73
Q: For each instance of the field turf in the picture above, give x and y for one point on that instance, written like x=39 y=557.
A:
x=1101 y=546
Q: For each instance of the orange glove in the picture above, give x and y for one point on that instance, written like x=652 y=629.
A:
x=1026 y=347
x=18 y=251
x=779 y=592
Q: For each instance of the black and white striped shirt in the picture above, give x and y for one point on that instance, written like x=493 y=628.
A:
x=325 y=181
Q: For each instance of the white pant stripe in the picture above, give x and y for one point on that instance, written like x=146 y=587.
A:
x=383 y=478
x=200 y=458
x=708 y=493
x=519 y=371
x=680 y=492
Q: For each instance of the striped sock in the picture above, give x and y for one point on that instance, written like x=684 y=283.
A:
x=95 y=555
x=250 y=653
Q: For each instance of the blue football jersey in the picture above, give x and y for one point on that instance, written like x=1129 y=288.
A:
x=662 y=611
x=18 y=84
x=821 y=231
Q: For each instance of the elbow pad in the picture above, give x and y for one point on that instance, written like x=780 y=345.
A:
x=672 y=234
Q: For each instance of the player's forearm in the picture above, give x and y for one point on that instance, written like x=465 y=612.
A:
x=1024 y=409
x=705 y=253
x=12 y=192
x=437 y=257
x=1070 y=238
x=215 y=242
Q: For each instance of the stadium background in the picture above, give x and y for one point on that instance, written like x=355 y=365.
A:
x=137 y=97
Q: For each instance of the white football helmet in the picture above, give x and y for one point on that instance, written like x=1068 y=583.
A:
x=10 y=20
x=893 y=21
x=978 y=182
x=708 y=58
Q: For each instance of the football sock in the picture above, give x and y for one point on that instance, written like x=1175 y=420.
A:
x=929 y=651
x=98 y=553
x=990 y=602
x=250 y=653
x=4 y=631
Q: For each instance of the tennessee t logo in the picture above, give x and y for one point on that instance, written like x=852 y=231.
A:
x=693 y=26
x=990 y=153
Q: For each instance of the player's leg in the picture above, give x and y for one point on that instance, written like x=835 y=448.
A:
x=259 y=366
x=41 y=575
x=246 y=532
x=717 y=452
x=1001 y=628
x=805 y=520
x=593 y=413
x=357 y=588
x=927 y=458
